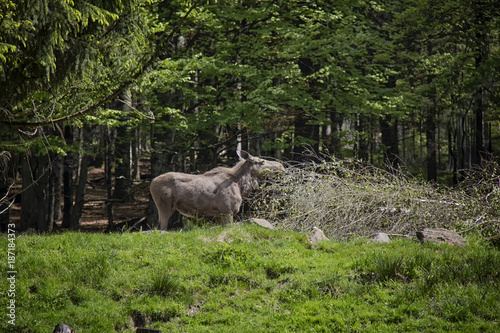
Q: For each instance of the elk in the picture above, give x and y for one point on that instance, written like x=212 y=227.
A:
x=215 y=193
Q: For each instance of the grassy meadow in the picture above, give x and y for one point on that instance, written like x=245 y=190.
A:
x=245 y=278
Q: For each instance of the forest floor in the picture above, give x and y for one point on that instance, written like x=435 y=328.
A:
x=95 y=213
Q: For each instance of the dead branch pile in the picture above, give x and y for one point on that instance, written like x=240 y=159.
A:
x=346 y=199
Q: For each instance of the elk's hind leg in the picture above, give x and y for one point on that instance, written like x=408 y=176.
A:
x=165 y=211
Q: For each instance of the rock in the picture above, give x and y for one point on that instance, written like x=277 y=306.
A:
x=316 y=236
x=62 y=328
x=381 y=237
x=441 y=235
x=263 y=223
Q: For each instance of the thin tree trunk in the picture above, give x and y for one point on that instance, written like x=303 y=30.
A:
x=35 y=195
x=68 y=180
x=452 y=151
x=76 y=216
x=430 y=131
x=52 y=197
x=332 y=134
x=5 y=186
x=361 y=142
x=136 y=154
x=479 y=130
x=123 y=158
x=108 y=168
x=479 y=105
x=57 y=175
x=389 y=131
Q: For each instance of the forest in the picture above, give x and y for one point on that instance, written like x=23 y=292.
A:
x=142 y=87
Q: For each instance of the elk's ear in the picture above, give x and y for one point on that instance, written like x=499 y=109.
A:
x=243 y=154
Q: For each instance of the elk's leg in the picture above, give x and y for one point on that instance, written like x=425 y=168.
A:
x=163 y=218
x=164 y=214
x=226 y=219
x=165 y=211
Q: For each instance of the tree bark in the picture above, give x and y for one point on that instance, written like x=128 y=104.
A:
x=35 y=195
x=54 y=193
x=361 y=146
x=108 y=172
x=5 y=185
x=479 y=106
x=68 y=180
x=123 y=151
x=76 y=216
x=452 y=151
x=389 y=131
x=430 y=131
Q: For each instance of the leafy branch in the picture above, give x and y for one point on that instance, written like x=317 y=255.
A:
x=144 y=64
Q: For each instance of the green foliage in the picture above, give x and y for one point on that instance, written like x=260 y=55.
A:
x=77 y=58
x=206 y=70
x=257 y=67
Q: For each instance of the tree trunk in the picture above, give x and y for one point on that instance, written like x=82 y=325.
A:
x=68 y=180
x=4 y=205
x=108 y=172
x=35 y=195
x=136 y=154
x=430 y=131
x=123 y=151
x=76 y=216
x=479 y=106
x=332 y=135
x=5 y=185
x=389 y=131
x=54 y=193
x=361 y=146
x=452 y=151
x=58 y=195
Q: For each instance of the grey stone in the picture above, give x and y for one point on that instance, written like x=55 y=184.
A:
x=381 y=237
x=263 y=223
x=441 y=235
x=316 y=236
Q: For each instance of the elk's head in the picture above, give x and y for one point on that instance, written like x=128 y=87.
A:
x=261 y=168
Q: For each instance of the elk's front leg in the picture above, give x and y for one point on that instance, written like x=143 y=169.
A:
x=226 y=219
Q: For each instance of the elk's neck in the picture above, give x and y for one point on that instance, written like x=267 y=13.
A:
x=242 y=175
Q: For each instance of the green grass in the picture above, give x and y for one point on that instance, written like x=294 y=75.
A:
x=248 y=279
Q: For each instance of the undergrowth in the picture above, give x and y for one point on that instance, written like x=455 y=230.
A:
x=350 y=199
x=249 y=279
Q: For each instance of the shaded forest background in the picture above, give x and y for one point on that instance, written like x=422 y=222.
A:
x=412 y=84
